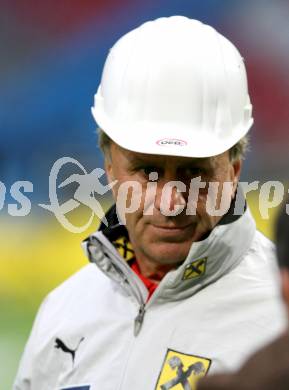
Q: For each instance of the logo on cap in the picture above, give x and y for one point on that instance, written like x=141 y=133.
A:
x=171 y=141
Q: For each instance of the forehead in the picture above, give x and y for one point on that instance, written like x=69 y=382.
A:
x=163 y=160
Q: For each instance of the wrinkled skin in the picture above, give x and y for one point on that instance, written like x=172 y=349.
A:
x=162 y=242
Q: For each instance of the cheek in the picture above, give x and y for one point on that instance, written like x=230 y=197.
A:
x=226 y=185
x=216 y=189
x=201 y=206
x=136 y=227
x=129 y=198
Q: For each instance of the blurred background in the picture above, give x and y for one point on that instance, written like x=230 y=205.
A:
x=52 y=56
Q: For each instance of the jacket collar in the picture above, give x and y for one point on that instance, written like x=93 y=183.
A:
x=207 y=261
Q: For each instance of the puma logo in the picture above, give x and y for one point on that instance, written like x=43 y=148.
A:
x=59 y=344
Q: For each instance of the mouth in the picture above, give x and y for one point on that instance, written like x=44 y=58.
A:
x=172 y=229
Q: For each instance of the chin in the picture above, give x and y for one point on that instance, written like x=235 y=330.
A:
x=169 y=253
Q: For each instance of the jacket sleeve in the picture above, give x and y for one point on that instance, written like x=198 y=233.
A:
x=27 y=366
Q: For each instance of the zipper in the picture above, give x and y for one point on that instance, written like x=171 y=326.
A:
x=138 y=321
x=138 y=289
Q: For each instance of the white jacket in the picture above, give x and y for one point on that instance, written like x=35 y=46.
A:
x=95 y=332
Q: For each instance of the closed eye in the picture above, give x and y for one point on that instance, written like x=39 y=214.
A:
x=148 y=170
x=145 y=170
x=189 y=172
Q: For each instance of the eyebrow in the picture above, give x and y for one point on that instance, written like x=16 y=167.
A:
x=157 y=162
x=195 y=162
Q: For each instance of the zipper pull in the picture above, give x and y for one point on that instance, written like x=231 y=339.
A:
x=139 y=319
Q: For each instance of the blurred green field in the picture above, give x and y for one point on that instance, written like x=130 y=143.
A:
x=36 y=255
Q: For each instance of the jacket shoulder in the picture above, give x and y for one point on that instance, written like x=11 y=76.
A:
x=263 y=252
x=261 y=241
x=79 y=289
x=83 y=277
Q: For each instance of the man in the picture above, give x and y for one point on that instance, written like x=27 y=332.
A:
x=175 y=288
x=268 y=369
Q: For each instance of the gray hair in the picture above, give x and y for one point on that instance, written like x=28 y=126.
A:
x=239 y=150
x=236 y=152
x=104 y=142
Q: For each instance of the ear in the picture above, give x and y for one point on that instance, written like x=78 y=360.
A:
x=108 y=166
x=109 y=169
x=285 y=286
x=236 y=172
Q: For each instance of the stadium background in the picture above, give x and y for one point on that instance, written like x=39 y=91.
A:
x=52 y=56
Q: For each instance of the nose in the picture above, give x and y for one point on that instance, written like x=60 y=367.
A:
x=171 y=198
x=177 y=199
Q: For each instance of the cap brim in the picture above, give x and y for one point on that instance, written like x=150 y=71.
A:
x=168 y=139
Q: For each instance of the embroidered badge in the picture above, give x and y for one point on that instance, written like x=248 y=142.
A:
x=195 y=269
x=181 y=371
x=124 y=248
